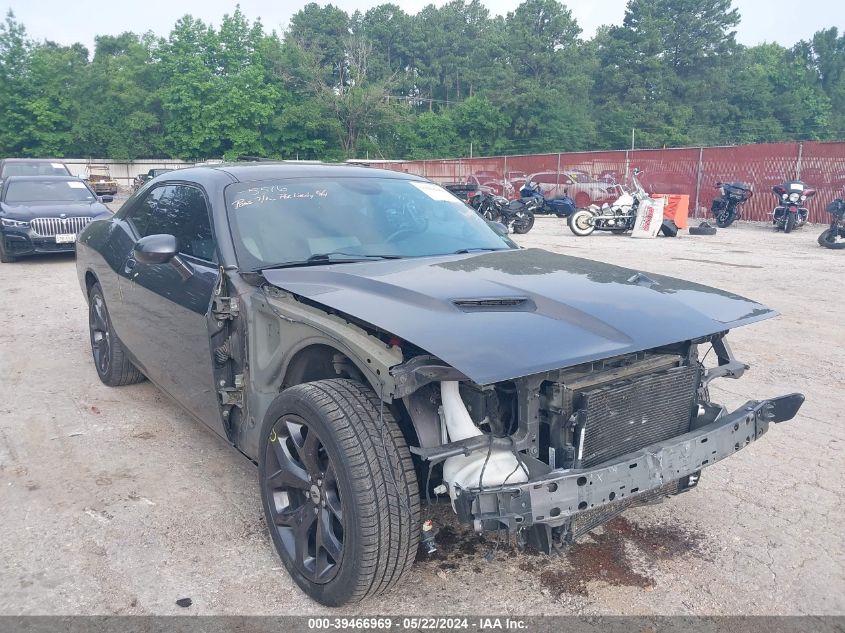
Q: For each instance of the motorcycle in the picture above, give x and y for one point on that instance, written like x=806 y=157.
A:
x=790 y=212
x=562 y=206
x=834 y=237
x=726 y=208
x=515 y=214
x=618 y=217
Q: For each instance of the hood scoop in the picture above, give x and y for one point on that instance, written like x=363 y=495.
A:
x=495 y=304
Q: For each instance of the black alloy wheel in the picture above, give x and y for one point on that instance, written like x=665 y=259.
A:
x=339 y=490
x=110 y=359
x=100 y=334
x=304 y=499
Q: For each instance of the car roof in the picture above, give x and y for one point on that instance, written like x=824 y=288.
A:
x=266 y=170
x=11 y=179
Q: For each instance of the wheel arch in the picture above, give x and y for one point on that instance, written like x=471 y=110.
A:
x=90 y=280
x=319 y=358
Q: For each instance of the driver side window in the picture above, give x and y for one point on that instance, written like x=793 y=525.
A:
x=178 y=210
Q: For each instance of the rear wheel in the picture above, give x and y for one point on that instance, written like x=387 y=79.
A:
x=339 y=490
x=523 y=222
x=789 y=223
x=830 y=239
x=113 y=366
x=582 y=223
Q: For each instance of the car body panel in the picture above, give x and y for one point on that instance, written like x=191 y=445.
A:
x=45 y=167
x=576 y=310
x=22 y=241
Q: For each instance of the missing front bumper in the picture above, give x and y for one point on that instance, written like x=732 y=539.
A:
x=556 y=499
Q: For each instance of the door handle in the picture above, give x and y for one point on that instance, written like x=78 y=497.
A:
x=129 y=266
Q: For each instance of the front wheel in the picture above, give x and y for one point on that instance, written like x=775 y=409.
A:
x=582 y=222
x=830 y=239
x=789 y=223
x=523 y=222
x=339 y=490
x=724 y=220
x=110 y=359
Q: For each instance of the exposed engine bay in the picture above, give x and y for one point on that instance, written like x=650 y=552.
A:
x=506 y=453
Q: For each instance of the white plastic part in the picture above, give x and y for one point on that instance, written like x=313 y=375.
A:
x=465 y=471
x=649 y=218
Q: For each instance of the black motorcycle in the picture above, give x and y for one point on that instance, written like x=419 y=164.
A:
x=791 y=212
x=562 y=206
x=834 y=237
x=726 y=208
x=517 y=215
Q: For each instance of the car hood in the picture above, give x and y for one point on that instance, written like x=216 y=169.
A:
x=53 y=209
x=500 y=315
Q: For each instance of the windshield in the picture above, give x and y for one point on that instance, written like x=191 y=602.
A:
x=48 y=191
x=289 y=221
x=35 y=169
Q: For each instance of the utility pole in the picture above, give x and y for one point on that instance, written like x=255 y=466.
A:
x=470 y=149
x=632 y=139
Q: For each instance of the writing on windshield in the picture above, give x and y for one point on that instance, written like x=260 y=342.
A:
x=274 y=193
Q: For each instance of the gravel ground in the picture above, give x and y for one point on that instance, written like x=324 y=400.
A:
x=114 y=501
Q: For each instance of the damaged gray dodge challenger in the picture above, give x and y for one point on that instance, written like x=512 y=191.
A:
x=368 y=341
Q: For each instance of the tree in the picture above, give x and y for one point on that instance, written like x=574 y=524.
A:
x=824 y=57
x=15 y=50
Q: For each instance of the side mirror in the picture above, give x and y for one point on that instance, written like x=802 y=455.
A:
x=156 y=249
x=106 y=198
x=500 y=228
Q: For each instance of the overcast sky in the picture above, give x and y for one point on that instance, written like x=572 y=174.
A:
x=68 y=21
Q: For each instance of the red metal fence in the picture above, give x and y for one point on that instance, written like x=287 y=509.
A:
x=592 y=177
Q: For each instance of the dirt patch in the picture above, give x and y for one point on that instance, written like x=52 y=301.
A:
x=603 y=558
x=143 y=435
x=660 y=541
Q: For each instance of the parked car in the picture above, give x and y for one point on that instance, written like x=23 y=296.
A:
x=99 y=177
x=32 y=167
x=43 y=214
x=585 y=191
x=332 y=321
x=141 y=179
x=492 y=181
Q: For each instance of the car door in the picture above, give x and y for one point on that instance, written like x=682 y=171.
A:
x=166 y=306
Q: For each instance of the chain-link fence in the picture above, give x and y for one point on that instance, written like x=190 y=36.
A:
x=595 y=177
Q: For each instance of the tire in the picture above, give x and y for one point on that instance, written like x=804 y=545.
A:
x=110 y=360
x=702 y=229
x=5 y=258
x=789 y=223
x=724 y=220
x=332 y=448
x=580 y=223
x=828 y=239
x=521 y=226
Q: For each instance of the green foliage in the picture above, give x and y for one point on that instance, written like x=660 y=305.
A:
x=441 y=83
